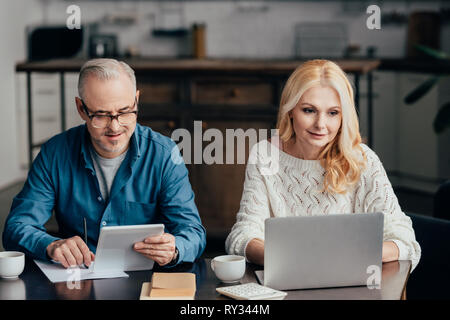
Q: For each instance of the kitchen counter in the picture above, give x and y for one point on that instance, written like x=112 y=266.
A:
x=415 y=65
x=254 y=66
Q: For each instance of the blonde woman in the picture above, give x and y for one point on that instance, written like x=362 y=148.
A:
x=323 y=168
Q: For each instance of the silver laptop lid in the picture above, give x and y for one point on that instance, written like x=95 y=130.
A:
x=322 y=251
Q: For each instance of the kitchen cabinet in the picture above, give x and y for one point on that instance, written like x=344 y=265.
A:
x=237 y=91
x=158 y=91
x=46 y=115
x=45 y=97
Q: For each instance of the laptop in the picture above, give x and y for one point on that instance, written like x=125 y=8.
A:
x=336 y=250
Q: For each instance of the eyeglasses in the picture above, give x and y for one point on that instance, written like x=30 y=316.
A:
x=101 y=121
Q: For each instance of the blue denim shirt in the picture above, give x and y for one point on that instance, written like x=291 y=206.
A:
x=148 y=188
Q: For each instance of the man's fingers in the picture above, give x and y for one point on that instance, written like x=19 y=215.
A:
x=69 y=256
x=76 y=253
x=164 y=238
x=155 y=253
x=70 y=252
x=86 y=253
x=158 y=248
x=162 y=247
x=59 y=256
x=79 y=250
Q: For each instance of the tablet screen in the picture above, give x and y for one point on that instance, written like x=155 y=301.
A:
x=115 y=248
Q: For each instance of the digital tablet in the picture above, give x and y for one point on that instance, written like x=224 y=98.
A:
x=115 y=248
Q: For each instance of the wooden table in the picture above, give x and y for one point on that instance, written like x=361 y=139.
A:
x=32 y=284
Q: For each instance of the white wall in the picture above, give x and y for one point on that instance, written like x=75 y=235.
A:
x=266 y=30
x=14 y=16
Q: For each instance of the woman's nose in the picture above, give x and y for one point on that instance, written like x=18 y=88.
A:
x=320 y=121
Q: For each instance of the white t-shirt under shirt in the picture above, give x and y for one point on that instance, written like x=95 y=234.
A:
x=106 y=170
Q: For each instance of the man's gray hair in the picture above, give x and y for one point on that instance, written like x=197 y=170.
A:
x=104 y=69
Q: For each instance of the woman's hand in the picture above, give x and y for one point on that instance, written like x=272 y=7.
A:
x=255 y=251
x=390 y=251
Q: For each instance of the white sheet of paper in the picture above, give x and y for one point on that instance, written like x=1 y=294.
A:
x=57 y=273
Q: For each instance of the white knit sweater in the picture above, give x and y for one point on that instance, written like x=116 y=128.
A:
x=295 y=189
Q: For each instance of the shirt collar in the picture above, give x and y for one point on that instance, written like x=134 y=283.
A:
x=86 y=144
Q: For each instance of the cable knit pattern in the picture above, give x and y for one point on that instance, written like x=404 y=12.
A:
x=295 y=190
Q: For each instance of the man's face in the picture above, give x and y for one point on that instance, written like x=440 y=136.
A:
x=109 y=97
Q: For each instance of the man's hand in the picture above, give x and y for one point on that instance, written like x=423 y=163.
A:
x=161 y=248
x=70 y=252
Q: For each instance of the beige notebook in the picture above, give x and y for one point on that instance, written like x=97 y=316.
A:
x=169 y=286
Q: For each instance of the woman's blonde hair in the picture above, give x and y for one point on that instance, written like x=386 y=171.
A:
x=343 y=158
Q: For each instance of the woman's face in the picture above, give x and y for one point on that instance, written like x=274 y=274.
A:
x=316 y=119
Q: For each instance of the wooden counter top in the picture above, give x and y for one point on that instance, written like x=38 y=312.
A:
x=194 y=65
x=416 y=65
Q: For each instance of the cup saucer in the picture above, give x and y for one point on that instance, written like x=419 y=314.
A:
x=230 y=281
x=9 y=277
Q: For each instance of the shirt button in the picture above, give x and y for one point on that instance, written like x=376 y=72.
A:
x=104 y=223
x=99 y=198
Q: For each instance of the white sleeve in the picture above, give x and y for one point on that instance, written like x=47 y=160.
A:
x=254 y=209
x=377 y=195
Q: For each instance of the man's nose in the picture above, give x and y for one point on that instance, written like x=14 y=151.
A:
x=114 y=125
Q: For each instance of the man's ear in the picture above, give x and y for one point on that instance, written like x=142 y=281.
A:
x=80 y=110
x=137 y=96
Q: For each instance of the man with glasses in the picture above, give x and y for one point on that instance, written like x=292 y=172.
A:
x=108 y=171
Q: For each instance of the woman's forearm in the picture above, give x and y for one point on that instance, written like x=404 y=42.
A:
x=255 y=251
x=390 y=251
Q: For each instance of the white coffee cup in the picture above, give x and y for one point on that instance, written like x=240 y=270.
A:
x=12 y=264
x=228 y=268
